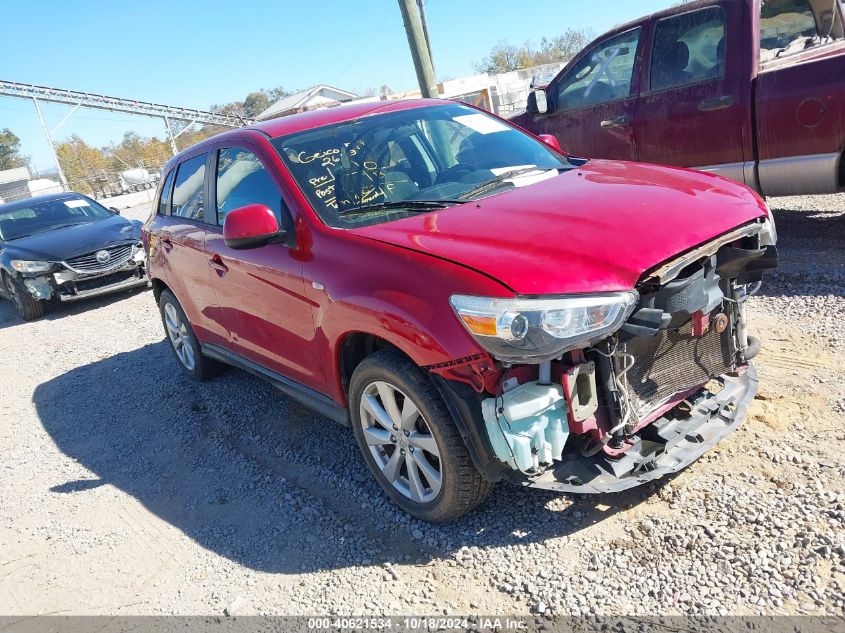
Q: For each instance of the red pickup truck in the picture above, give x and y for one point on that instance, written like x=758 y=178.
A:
x=750 y=89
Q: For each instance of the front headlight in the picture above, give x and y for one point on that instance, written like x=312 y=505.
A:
x=534 y=330
x=24 y=266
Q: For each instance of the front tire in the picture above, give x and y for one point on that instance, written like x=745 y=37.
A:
x=28 y=307
x=410 y=442
x=183 y=341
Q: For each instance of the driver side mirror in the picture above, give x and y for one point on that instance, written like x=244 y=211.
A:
x=114 y=210
x=251 y=226
x=537 y=102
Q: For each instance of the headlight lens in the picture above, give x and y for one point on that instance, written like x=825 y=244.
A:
x=24 y=266
x=534 y=330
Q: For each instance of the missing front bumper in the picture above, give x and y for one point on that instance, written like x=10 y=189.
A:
x=666 y=446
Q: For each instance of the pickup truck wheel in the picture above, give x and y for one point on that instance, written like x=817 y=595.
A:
x=410 y=442
x=28 y=307
x=183 y=341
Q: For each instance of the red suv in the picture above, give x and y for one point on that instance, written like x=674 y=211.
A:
x=476 y=304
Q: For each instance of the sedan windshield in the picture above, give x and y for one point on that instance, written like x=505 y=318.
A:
x=387 y=166
x=48 y=215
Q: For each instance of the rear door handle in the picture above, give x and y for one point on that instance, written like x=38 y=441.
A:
x=619 y=121
x=719 y=103
x=217 y=264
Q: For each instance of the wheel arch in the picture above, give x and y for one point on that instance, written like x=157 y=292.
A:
x=159 y=286
x=354 y=347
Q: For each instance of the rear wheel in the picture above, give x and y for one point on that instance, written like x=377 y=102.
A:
x=410 y=442
x=183 y=341
x=28 y=307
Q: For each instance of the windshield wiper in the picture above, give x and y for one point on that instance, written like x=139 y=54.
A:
x=489 y=185
x=405 y=205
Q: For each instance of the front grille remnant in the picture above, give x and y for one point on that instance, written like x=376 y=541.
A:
x=90 y=263
x=674 y=361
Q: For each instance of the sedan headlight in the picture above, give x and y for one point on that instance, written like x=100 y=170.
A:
x=24 y=266
x=534 y=330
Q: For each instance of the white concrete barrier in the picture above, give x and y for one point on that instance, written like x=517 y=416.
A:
x=128 y=200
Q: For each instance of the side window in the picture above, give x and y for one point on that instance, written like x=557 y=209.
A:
x=688 y=48
x=189 y=188
x=783 y=22
x=242 y=180
x=164 y=199
x=603 y=75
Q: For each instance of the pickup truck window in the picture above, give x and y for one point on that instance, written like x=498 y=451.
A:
x=604 y=74
x=784 y=25
x=688 y=48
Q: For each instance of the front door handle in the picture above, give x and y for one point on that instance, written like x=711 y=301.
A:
x=619 y=121
x=217 y=264
x=719 y=103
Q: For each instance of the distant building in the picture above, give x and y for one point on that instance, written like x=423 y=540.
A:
x=13 y=184
x=17 y=184
x=317 y=97
x=504 y=94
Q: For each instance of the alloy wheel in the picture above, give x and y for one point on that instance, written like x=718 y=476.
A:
x=177 y=331
x=401 y=442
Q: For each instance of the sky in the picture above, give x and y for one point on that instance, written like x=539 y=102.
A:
x=195 y=54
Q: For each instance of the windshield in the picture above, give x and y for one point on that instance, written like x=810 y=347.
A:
x=386 y=166
x=48 y=216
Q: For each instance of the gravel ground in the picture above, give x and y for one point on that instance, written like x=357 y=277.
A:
x=127 y=489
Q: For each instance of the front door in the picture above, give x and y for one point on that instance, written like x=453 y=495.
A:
x=592 y=106
x=691 y=111
x=260 y=292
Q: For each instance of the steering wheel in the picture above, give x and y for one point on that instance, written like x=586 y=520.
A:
x=454 y=173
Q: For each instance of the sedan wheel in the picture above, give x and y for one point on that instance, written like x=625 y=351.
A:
x=178 y=334
x=401 y=442
x=27 y=306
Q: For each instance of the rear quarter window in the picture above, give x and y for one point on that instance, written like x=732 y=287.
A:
x=782 y=22
x=189 y=189
x=163 y=207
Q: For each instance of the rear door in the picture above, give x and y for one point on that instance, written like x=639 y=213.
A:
x=180 y=232
x=261 y=300
x=592 y=105
x=690 y=112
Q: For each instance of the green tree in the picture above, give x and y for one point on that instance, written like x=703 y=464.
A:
x=137 y=151
x=255 y=103
x=505 y=57
x=10 y=151
x=84 y=166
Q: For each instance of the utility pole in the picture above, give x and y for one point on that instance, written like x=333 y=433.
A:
x=424 y=22
x=419 y=48
x=50 y=143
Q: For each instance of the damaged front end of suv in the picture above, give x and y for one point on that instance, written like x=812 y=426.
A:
x=600 y=393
